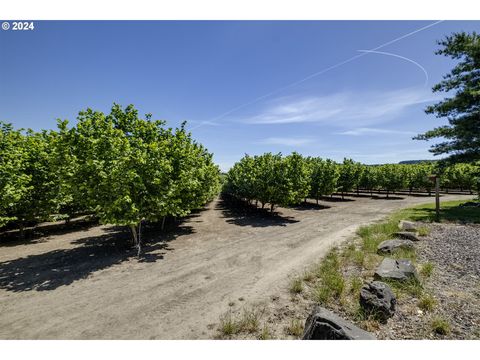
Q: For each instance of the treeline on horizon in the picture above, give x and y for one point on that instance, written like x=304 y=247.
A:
x=119 y=167
x=288 y=180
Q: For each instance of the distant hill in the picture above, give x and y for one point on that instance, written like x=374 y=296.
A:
x=417 y=161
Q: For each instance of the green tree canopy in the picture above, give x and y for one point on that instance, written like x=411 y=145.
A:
x=461 y=138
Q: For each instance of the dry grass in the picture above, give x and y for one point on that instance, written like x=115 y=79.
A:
x=440 y=326
x=296 y=286
x=427 y=269
x=265 y=334
x=294 y=328
x=247 y=321
x=427 y=302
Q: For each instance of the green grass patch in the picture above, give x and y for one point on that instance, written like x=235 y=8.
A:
x=423 y=231
x=331 y=281
x=405 y=254
x=352 y=255
x=450 y=211
x=355 y=284
x=411 y=287
x=373 y=235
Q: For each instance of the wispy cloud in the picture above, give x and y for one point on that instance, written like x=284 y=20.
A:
x=197 y=124
x=286 y=141
x=345 y=108
x=373 y=131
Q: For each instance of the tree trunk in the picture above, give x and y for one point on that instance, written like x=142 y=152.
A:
x=256 y=203
x=163 y=223
x=263 y=205
x=343 y=196
x=134 y=234
x=271 y=208
x=137 y=237
x=22 y=230
x=358 y=191
x=388 y=191
x=139 y=251
x=317 y=200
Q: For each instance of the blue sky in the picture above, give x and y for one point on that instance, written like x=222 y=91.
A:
x=367 y=109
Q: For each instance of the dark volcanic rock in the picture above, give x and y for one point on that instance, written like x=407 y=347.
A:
x=377 y=298
x=407 y=235
x=323 y=324
x=390 y=246
x=398 y=270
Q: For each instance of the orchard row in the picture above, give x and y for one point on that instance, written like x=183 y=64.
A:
x=119 y=167
x=286 y=180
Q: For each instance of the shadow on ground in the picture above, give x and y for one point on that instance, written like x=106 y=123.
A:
x=41 y=232
x=334 y=199
x=387 y=198
x=48 y=271
x=242 y=214
x=310 y=206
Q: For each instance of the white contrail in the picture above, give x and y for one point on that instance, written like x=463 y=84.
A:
x=323 y=71
x=400 y=57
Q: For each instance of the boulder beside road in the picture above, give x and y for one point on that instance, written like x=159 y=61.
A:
x=397 y=270
x=408 y=235
x=323 y=324
x=390 y=246
x=377 y=298
x=405 y=225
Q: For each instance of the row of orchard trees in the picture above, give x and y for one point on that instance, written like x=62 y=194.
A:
x=286 y=180
x=118 y=166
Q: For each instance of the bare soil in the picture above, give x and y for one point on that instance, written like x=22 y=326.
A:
x=86 y=283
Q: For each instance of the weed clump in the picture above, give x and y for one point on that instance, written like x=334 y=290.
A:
x=441 y=326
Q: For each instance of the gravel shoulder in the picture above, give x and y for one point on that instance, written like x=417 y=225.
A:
x=85 y=284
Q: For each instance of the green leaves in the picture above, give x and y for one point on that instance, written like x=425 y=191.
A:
x=29 y=186
x=350 y=174
x=324 y=176
x=120 y=167
x=276 y=180
x=461 y=138
x=133 y=169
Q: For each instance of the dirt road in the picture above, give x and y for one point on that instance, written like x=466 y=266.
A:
x=85 y=285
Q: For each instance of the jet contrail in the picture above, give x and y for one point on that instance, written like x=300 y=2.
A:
x=323 y=71
x=400 y=57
